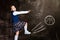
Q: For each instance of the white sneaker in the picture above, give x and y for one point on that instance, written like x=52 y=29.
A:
x=27 y=32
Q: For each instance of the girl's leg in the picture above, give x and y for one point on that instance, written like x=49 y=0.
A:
x=16 y=35
x=25 y=29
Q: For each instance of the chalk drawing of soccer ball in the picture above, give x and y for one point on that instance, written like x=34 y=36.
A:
x=49 y=20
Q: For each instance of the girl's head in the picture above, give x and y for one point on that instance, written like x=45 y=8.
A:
x=13 y=8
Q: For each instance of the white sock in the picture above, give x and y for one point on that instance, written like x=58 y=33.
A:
x=25 y=27
x=16 y=37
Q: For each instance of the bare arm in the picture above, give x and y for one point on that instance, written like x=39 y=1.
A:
x=20 y=12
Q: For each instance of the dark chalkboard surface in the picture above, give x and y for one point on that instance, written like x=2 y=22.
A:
x=43 y=20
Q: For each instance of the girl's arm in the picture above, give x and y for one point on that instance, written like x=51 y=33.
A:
x=20 y=12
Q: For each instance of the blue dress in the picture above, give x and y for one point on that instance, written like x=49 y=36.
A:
x=17 y=24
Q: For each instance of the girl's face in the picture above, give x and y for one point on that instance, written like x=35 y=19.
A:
x=13 y=8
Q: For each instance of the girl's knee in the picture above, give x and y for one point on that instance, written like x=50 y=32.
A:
x=17 y=33
x=26 y=23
